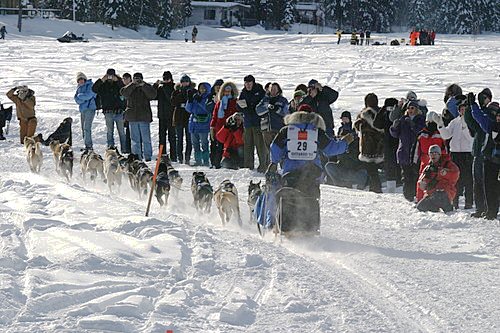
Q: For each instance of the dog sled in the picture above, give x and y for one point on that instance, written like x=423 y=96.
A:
x=70 y=37
x=290 y=207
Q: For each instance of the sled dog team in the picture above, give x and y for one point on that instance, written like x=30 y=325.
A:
x=114 y=166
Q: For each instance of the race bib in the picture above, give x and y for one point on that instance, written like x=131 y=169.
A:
x=302 y=144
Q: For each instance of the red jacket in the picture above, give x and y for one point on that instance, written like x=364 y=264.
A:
x=436 y=181
x=231 y=140
x=424 y=141
x=219 y=123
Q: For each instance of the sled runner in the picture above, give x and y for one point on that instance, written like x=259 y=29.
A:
x=297 y=214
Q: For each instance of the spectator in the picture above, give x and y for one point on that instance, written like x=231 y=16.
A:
x=200 y=107
x=107 y=89
x=320 y=98
x=339 y=35
x=139 y=116
x=213 y=141
x=368 y=35
x=370 y=126
x=181 y=117
x=3 y=32
x=164 y=91
x=126 y=79
x=391 y=167
x=461 y=152
x=272 y=109
x=250 y=96
x=298 y=97
x=361 y=37
x=406 y=130
x=223 y=109
x=85 y=98
x=487 y=120
x=438 y=182
x=24 y=99
x=194 y=33
x=231 y=137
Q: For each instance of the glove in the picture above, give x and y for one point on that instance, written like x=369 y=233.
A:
x=438 y=120
x=471 y=98
x=271 y=169
x=197 y=97
x=349 y=138
x=396 y=122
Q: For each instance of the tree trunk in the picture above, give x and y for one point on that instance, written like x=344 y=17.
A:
x=20 y=17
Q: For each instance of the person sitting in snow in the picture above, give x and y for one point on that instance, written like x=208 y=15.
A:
x=438 y=182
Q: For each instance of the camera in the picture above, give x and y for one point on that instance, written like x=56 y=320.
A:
x=110 y=77
x=231 y=122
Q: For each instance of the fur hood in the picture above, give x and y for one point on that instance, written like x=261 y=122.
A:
x=368 y=115
x=233 y=88
x=301 y=117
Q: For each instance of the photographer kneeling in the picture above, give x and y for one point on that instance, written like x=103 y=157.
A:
x=438 y=182
x=231 y=136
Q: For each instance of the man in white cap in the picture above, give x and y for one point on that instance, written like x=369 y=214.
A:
x=438 y=181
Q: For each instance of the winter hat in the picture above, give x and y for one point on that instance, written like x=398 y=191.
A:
x=371 y=100
x=185 y=78
x=305 y=108
x=299 y=93
x=435 y=149
x=485 y=93
x=413 y=103
x=411 y=95
x=312 y=83
x=138 y=76
x=461 y=100
x=110 y=71
x=431 y=116
x=80 y=75
x=218 y=82
x=390 y=102
x=167 y=75
x=346 y=114
x=127 y=76
x=249 y=78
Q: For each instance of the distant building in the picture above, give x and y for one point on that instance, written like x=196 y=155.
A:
x=218 y=13
x=9 y=3
x=306 y=11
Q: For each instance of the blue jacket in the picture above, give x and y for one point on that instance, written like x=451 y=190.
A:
x=485 y=119
x=200 y=108
x=326 y=146
x=272 y=110
x=85 y=97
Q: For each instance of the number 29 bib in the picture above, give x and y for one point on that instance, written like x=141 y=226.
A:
x=302 y=144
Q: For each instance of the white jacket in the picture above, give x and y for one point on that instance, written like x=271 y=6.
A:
x=457 y=130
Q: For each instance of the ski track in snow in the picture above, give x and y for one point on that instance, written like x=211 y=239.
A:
x=74 y=258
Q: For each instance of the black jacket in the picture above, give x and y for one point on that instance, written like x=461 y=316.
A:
x=321 y=104
x=109 y=94
x=138 y=102
x=164 y=96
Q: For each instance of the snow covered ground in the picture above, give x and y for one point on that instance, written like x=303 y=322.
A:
x=75 y=259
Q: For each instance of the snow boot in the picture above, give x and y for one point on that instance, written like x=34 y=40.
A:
x=391 y=186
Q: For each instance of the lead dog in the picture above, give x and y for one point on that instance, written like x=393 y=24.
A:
x=226 y=200
x=162 y=186
x=202 y=192
x=34 y=154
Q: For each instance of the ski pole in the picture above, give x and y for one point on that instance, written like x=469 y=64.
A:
x=158 y=160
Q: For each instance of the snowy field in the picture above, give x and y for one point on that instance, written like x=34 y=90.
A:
x=75 y=259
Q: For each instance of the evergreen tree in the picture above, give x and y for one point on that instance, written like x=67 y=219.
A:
x=288 y=14
x=114 y=12
x=165 y=24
